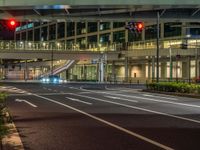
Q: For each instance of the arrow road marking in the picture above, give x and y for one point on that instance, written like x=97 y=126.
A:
x=22 y=100
x=77 y=100
x=122 y=99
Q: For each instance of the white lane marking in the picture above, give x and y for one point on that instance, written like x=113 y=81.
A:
x=84 y=92
x=77 y=100
x=109 y=123
x=138 y=108
x=170 y=98
x=156 y=100
x=148 y=99
x=22 y=100
x=122 y=99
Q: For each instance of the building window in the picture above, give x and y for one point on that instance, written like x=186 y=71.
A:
x=172 y=29
x=52 y=32
x=23 y=36
x=92 y=41
x=70 y=29
x=30 y=35
x=104 y=26
x=134 y=36
x=61 y=30
x=69 y=44
x=81 y=29
x=119 y=37
x=105 y=38
x=118 y=24
x=44 y=36
x=194 y=31
x=92 y=27
x=37 y=35
x=151 y=32
x=81 y=42
x=18 y=36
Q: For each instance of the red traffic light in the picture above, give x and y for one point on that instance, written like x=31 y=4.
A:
x=139 y=26
x=11 y=23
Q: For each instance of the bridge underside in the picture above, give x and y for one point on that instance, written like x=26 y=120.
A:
x=104 y=10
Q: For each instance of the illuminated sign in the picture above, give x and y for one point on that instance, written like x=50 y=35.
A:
x=27 y=26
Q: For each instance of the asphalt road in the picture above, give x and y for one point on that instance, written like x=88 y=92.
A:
x=80 y=117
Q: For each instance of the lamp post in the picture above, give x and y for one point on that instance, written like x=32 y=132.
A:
x=52 y=59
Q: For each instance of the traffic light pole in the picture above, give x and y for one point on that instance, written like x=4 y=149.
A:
x=157 y=52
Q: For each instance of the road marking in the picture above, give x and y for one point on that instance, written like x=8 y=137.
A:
x=170 y=98
x=138 y=108
x=156 y=100
x=109 y=123
x=122 y=99
x=84 y=92
x=77 y=100
x=148 y=99
x=22 y=100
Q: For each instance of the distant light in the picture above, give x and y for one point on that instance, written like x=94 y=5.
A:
x=188 y=35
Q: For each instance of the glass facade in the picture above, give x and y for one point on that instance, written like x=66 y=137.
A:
x=37 y=34
x=30 y=35
x=61 y=30
x=44 y=33
x=172 y=29
x=92 y=27
x=70 y=29
x=119 y=37
x=104 y=38
x=52 y=32
x=118 y=24
x=104 y=26
x=151 y=32
x=81 y=28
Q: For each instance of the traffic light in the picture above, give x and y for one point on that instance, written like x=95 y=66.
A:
x=139 y=26
x=11 y=24
x=135 y=27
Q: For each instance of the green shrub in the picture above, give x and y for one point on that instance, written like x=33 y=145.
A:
x=179 y=87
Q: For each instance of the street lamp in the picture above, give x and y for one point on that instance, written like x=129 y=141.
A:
x=170 y=55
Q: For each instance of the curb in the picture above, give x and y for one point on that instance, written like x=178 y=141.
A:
x=173 y=93
x=12 y=140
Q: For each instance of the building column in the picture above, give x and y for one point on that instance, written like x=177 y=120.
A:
x=101 y=70
x=198 y=68
x=26 y=71
x=126 y=69
x=153 y=67
x=149 y=69
x=163 y=70
x=113 y=72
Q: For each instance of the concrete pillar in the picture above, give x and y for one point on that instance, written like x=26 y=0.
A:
x=153 y=67
x=149 y=69
x=126 y=34
x=189 y=69
x=163 y=70
x=198 y=68
x=26 y=71
x=126 y=69
x=113 y=72
x=101 y=70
